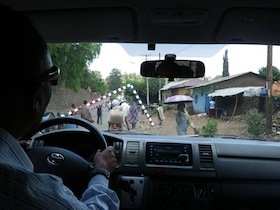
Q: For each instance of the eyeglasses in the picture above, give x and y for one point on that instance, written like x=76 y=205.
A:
x=51 y=75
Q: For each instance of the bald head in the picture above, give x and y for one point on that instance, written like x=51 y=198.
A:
x=24 y=58
x=24 y=53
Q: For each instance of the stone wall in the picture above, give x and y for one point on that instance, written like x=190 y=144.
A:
x=63 y=98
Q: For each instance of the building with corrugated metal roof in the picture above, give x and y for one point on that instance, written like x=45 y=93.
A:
x=200 y=93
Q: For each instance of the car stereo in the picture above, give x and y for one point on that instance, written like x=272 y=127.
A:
x=169 y=154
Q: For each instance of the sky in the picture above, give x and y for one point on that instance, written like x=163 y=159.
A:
x=242 y=58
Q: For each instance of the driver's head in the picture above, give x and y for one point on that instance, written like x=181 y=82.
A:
x=26 y=73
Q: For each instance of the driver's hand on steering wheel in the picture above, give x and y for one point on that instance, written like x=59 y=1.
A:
x=105 y=159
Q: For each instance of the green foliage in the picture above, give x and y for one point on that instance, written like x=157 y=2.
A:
x=275 y=73
x=114 y=80
x=94 y=81
x=255 y=127
x=155 y=84
x=210 y=129
x=169 y=107
x=138 y=83
x=153 y=112
x=73 y=59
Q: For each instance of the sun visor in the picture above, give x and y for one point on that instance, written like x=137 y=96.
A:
x=250 y=25
x=84 y=25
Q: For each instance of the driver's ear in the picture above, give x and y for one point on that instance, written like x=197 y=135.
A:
x=40 y=99
x=37 y=100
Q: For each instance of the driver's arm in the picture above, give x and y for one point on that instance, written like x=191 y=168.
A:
x=46 y=191
x=98 y=192
x=99 y=196
x=105 y=159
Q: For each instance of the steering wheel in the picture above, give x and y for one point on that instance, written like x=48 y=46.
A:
x=72 y=168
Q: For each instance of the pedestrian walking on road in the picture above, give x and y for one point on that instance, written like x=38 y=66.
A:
x=211 y=109
x=161 y=116
x=116 y=117
x=133 y=114
x=125 y=108
x=85 y=112
x=183 y=120
x=74 y=111
x=99 y=114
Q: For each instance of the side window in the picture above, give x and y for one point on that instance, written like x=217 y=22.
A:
x=174 y=92
x=195 y=99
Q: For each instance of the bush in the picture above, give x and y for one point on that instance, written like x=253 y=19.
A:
x=169 y=107
x=210 y=129
x=153 y=111
x=255 y=127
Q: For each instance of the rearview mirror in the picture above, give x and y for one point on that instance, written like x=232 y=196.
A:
x=173 y=69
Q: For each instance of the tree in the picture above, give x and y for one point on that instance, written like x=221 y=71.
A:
x=73 y=59
x=114 y=80
x=275 y=73
x=225 y=65
x=154 y=88
x=138 y=83
x=94 y=81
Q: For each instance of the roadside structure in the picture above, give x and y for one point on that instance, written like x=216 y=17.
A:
x=201 y=93
x=179 y=87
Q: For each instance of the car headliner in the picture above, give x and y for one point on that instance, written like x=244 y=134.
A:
x=238 y=21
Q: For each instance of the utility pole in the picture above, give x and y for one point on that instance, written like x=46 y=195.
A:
x=269 y=103
x=159 y=85
x=148 y=95
x=147 y=87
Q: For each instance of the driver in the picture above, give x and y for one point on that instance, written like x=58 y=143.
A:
x=27 y=74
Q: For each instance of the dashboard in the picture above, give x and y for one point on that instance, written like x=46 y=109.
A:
x=177 y=172
x=198 y=173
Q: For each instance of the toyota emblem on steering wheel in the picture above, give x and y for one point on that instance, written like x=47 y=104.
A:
x=55 y=158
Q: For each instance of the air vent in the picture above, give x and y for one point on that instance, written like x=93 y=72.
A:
x=132 y=153
x=200 y=191
x=206 y=156
x=118 y=146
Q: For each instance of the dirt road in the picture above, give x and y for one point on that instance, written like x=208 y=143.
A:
x=235 y=127
x=168 y=128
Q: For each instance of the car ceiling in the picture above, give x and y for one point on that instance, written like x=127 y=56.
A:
x=161 y=21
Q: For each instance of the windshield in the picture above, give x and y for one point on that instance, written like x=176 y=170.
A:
x=238 y=96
